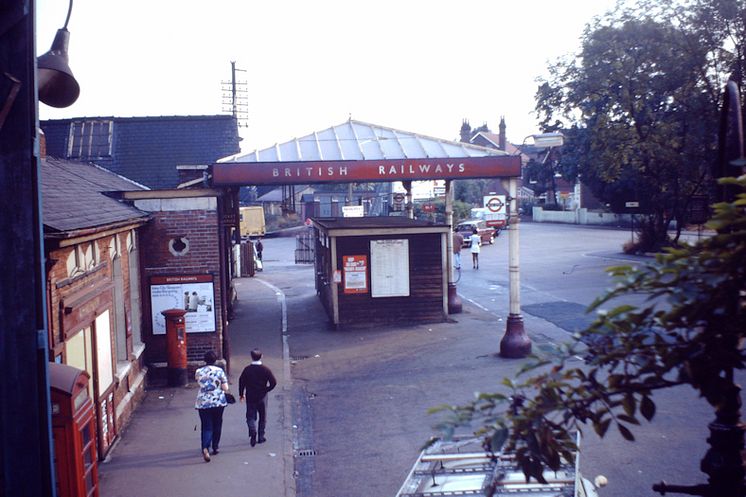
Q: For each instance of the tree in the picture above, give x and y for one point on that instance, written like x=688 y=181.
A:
x=692 y=339
x=640 y=105
x=471 y=191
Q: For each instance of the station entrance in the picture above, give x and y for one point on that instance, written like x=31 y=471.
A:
x=358 y=152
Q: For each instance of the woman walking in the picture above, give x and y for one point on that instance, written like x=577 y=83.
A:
x=213 y=383
x=476 y=242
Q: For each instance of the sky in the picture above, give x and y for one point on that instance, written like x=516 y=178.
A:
x=421 y=66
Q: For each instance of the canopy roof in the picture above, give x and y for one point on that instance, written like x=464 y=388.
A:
x=357 y=140
x=355 y=151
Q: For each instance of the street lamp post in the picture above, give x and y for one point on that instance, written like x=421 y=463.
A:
x=455 y=305
x=516 y=343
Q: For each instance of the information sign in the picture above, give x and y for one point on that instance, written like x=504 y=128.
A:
x=355 y=269
x=193 y=293
x=389 y=268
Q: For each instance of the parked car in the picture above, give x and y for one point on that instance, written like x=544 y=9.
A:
x=486 y=234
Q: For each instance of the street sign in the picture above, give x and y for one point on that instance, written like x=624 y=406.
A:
x=353 y=211
x=495 y=203
x=631 y=204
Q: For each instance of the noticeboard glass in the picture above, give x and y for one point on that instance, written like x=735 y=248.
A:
x=389 y=268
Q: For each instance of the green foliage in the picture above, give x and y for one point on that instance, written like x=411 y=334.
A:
x=460 y=211
x=639 y=104
x=688 y=332
x=471 y=191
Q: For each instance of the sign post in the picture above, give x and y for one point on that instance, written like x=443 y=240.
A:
x=496 y=206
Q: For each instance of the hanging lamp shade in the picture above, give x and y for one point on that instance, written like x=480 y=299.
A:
x=56 y=84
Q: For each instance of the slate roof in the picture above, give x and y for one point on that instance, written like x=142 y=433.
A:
x=148 y=149
x=73 y=198
x=357 y=140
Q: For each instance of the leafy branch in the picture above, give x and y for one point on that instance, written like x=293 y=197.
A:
x=688 y=331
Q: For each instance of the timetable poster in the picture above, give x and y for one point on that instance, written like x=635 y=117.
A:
x=389 y=268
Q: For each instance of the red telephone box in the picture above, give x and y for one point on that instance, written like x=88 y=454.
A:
x=74 y=432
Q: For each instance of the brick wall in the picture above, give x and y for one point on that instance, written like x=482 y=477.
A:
x=73 y=304
x=168 y=231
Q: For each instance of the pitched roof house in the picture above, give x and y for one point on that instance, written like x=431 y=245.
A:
x=147 y=150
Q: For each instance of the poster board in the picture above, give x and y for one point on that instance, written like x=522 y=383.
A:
x=193 y=293
x=355 y=268
x=389 y=268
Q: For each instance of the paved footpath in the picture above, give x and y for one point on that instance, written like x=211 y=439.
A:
x=158 y=454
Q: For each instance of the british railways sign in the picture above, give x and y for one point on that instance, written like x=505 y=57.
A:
x=285 y=173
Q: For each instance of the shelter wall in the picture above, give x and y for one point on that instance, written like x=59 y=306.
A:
x=425 y=302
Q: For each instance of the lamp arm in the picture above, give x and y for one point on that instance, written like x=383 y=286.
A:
x=69 y=11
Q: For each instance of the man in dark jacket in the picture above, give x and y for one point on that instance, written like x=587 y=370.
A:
x=255 y=382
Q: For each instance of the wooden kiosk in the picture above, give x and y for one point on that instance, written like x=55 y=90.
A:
x=74 y=432
x=381 y=270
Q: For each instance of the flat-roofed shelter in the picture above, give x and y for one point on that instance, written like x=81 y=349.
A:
x=381 y=270
x=356 y=151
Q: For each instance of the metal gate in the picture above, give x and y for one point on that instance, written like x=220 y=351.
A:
x=304 y=248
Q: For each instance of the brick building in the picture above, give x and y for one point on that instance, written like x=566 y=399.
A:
x=92 y=251
x=186 y=264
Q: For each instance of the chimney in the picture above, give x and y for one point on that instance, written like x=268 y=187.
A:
x=465 y=131
x=501 y=137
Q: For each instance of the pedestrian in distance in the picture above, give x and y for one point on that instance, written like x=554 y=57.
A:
x=211 y=401
x=476 y=243
x=255 y=382
x=259 y=248
x=458 y=242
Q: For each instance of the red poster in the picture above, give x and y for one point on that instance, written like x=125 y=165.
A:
x=355 y=269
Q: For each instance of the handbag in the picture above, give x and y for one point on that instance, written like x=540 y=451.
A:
x=230 y=398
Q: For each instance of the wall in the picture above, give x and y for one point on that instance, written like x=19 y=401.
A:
x=581 y=216
x=74 y=304
x=195 y=222
x=425 y=301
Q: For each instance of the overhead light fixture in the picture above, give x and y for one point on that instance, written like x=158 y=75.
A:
x=545 y=140
x=56 y=84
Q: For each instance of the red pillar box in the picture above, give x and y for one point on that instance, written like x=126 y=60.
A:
x=176 y=347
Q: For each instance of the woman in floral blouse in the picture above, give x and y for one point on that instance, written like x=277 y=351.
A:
x=213 y=383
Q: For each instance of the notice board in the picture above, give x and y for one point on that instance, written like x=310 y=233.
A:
x=389 y=268
x=355 y=269
x=193 y=293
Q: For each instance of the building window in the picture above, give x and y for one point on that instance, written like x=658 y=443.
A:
x=131 y=241
x=83 y=257
x=134 y=277
x=90 y=139
x=79 y=353
x=73 y=266
x=115 y=247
